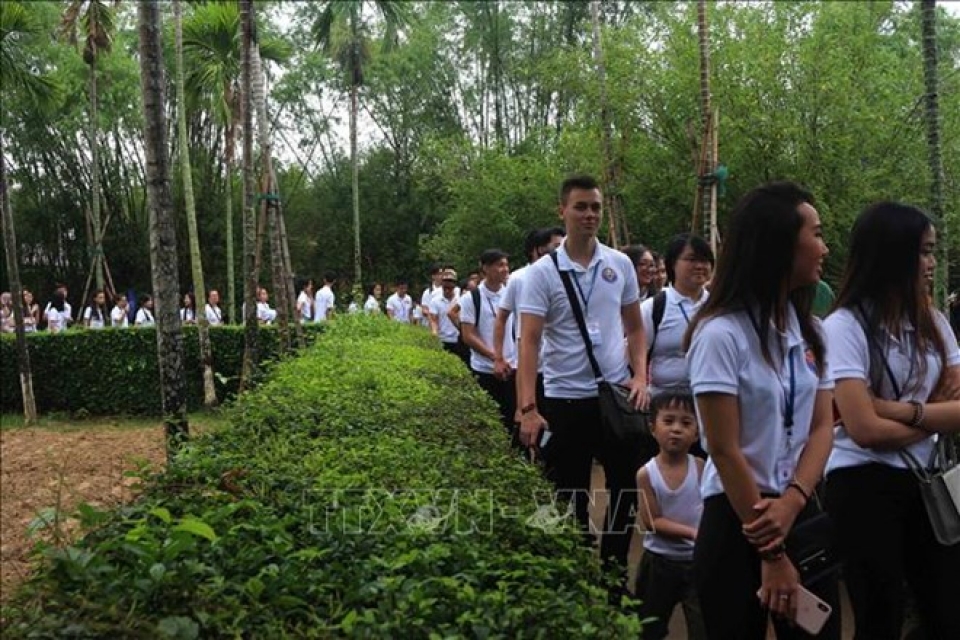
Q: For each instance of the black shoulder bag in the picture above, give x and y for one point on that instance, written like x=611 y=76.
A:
x=623 y=424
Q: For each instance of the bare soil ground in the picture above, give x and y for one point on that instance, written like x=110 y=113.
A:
x=62 y=464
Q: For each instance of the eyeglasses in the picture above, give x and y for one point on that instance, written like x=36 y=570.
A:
x=695 y=259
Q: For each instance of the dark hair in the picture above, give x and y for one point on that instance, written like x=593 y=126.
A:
x=682 y=400
x=193 y=300
x=303 y=282
x=492 y=256
x=371 y=287
x=329 y=276
x=533 y=241
x=401 y=280
x=587 y=183
x=757 y=260
x=144 y=299
x=676 y=246
x=882 y=281
x=97 y=310
x=635 y=253
x=435 y=268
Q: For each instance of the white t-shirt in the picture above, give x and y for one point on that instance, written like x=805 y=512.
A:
x=214 y=316
x=97 y=320
x=439 y=307
x=187 y=315
x=400 y=307
x=850 y=358
x=265 y=314
x=56 y=321
x=508 y=302
x=325 y=300
x=668 y=362
x=426 y=299
x=305 y=306
x=119 y=318
x=609 y=283
x=372 y=305
x=66 y=315
x=144 y=318
x=489 y=301
x=725 y=357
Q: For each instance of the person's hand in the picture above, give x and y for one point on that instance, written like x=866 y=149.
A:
x=501 y=368
x=639 y=394
x=778 y=586
x=531 y=424
x=775 y=517
x=948 y=388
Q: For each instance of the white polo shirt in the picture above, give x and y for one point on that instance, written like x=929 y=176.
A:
x=305 y=306
x=850 y=358
x=214 y=316
x=439 y=306
x=265 y=314
x=96 y=321
x=372 y=305
x=668 y=362
x=400 y=307
x=119 y=318
x=144 y=318
x=725 y=357
x=325 y=300
x=509 y=302
x=489 y=301
x=609 y=283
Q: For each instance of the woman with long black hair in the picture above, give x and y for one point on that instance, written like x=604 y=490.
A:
x=897 y=370
x=763 y=395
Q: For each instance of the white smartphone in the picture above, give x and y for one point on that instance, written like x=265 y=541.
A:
x=812 y=612
x=545 y=436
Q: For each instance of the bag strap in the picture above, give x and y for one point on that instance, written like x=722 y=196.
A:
x=475 y=294
x=578 y=314
x=659 y=309
x=872 y=339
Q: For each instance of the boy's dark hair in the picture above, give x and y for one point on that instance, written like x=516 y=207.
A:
x=435 y=268
x=587 y=183
x=330 y=277
x=681 y=399
x=701 y=251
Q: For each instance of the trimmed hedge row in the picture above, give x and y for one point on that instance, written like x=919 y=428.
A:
x=365 y=490
x=115 y=371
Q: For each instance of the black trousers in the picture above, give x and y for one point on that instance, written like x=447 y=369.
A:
x=459 y=349
x=885 y=540
x=504 y=394
x=568 y=463
x=727 y=575
x=662 y=584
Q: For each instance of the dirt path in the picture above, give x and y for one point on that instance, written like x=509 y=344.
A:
x=88 y=465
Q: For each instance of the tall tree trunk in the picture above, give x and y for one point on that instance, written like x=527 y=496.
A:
x=97 y=263
x=16 y=290
x=931 y=80
x=251 y=331
x=288 y=269
x=615 y=224
x=229 y=153
x=707 y=186
x=271 y=202
x=163 y=232
x=196 y=259
x=355 y=168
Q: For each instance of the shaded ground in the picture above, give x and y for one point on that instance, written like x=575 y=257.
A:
x=66 y=463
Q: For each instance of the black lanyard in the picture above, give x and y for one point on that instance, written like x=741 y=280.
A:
x=790 y=392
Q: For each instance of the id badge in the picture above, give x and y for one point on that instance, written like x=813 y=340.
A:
x=785 y=469
x=593 y=330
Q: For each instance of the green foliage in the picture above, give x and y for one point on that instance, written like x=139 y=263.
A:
x=365 y=490
x=115 y=371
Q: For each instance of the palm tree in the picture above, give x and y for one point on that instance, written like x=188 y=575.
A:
x=163 y=232
x=211 y=44
x=16 y=27
x=95 y=18
x=196 y=259
x=344 y=35
x=931 y=79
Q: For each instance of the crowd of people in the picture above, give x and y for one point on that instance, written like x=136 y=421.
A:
x=765 y=394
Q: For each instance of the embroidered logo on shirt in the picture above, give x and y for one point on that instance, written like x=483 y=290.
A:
x=811 y=360
x=609 y=274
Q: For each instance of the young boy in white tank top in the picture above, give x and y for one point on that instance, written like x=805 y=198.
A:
x=671 y=509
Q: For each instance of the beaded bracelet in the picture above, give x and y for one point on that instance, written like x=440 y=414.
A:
x=796 y=484
x=918 y=414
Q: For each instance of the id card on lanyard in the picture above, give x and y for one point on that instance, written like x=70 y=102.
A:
x=785 y=463
x=593 y=326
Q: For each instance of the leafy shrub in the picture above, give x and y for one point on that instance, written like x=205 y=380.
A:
x=365 y=490
x=115 y=371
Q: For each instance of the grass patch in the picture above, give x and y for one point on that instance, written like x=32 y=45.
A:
x=201 y=422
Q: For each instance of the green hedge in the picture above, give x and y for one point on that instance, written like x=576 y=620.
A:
x=114 y=371
x=365 y=490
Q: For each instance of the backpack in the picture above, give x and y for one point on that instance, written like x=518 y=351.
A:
x=659 y=308
x=475 y=294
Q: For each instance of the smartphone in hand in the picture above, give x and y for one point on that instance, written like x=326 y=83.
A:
x=812 y=612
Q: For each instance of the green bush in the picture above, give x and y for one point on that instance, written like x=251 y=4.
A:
x=115 y=371
x=365 y=490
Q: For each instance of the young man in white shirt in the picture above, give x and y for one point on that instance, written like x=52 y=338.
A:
x=118 y=315
x=399 y=305
x=538 y=243
x=435 y=289
x=212 y=309
x=440 y=323
x=607 y=290
x=323 y=303
x=305 y=302
x=478 y=314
